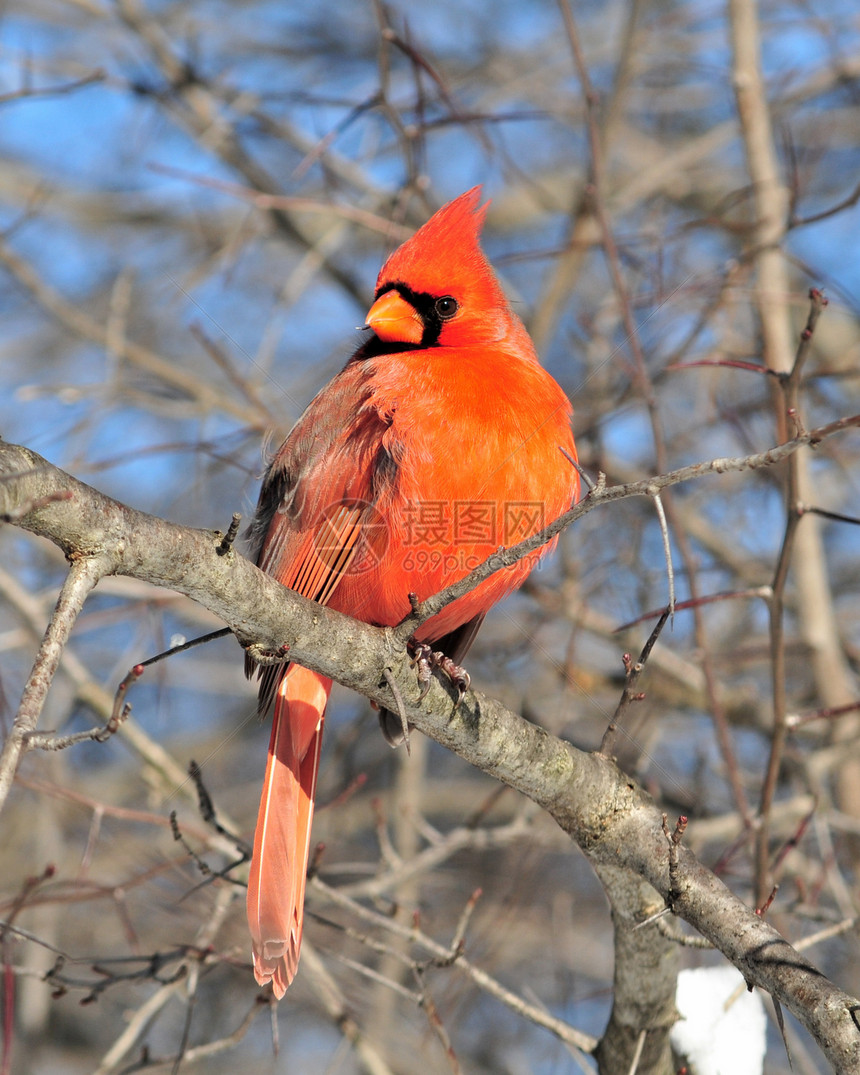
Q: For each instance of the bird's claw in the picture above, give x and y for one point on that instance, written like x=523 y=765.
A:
x=426 y=660
x=262 y=656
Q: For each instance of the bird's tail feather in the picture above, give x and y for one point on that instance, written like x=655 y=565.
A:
x=276 y=885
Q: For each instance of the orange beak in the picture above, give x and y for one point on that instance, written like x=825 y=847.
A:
x=395 y=320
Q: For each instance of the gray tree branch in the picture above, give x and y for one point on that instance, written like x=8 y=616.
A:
x=612 y=819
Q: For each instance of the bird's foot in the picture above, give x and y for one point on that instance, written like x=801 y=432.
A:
x=426 y=659
x=260 y=655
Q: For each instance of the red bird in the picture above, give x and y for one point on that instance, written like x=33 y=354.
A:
x=441 y=439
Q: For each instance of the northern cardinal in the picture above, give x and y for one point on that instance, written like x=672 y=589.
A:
x=441 y=439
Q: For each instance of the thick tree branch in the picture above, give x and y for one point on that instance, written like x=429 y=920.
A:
x=605 y=812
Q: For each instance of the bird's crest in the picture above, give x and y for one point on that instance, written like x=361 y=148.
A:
x=449 y=243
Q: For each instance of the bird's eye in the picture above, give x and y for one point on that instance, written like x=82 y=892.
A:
x=446 y=307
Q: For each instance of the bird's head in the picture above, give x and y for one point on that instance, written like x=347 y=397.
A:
x=438 y=289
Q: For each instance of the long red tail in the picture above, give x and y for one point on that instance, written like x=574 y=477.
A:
x=276 y=885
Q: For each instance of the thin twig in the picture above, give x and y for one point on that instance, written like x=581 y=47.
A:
x=835 y=516
x=232 y=531
x=504 y=557
x=790 y=386
x=637 y=1052
x=632 y=673
x=121 y=708
x=667 y=552
x=28 y=506
x=667 y=930
x=83 y=575
x=794 y=721
x=674 y=840
x=401 y=709
x=100 y=734
x=795 y=221
x=562 y=1030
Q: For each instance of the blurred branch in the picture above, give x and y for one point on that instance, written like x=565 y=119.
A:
x=645 y=386
x=789 y=385
x=393 y=232
x=334 y=1002
x=167 y=371
x=802 y=547
x=847 y=203
x=420 y=863
x=28 y=91
x=192 y=102
x=484 y=981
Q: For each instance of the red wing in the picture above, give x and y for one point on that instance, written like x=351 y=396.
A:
x=312 y=562
x=318 y=496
